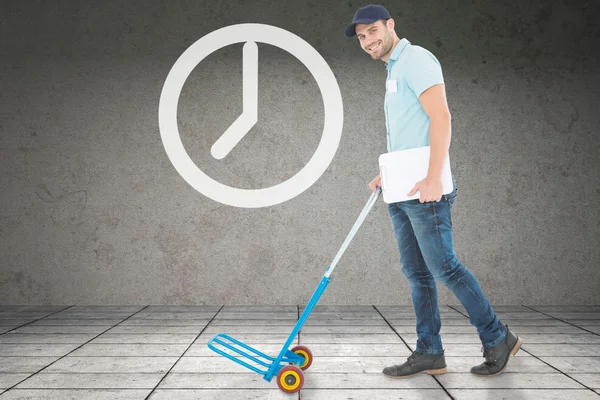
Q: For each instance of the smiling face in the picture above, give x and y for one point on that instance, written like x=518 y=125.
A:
x=377 y=39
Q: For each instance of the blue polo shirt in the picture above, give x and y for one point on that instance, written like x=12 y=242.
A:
x=410 y=71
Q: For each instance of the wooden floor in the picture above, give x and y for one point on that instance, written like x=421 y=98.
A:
x=160 y=352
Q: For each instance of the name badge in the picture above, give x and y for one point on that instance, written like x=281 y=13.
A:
x=392 y=86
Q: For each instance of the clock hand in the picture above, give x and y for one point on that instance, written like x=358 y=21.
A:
x=249 y=117
x=250 y=81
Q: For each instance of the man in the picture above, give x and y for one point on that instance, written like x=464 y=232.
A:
x=417 y=115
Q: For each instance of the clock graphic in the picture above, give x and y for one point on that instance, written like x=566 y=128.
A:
x=249 y=34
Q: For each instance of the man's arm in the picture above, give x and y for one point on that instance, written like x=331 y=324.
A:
x=433 y=101
x=424 y=77
x=435 y=105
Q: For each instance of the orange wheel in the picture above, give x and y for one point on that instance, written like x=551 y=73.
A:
x=290 y=379
x=306 y=353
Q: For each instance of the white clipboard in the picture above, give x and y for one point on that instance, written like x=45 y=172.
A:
x=401 y=170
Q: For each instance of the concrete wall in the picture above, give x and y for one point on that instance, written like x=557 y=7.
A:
x=94 y=212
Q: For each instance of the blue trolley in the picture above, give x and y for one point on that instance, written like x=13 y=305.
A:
x=290 y=363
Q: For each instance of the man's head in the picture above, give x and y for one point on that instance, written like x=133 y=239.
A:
x=374 y=28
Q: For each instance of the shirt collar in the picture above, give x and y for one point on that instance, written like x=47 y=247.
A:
x=397 y=51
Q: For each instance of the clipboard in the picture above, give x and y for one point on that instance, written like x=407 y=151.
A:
x=401 y=170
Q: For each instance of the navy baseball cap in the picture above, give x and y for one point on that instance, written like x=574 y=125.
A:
x=366 y=15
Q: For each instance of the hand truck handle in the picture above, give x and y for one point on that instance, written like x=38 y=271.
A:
x=354 y=229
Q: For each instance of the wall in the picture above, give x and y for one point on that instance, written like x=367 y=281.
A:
x=94 y=212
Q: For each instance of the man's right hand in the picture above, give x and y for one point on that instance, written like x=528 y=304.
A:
x=375 y=183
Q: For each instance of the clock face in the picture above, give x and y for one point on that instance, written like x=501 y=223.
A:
x=249 y=34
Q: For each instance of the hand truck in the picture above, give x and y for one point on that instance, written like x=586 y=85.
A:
x=289 y=363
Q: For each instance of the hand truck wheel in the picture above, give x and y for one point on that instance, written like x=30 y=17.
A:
x=306 y=353
x=290 y=379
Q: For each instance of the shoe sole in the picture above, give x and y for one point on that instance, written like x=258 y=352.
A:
x=513 y=352
x=440 y=371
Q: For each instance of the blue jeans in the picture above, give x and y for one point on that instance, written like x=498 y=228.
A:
x=424 y=235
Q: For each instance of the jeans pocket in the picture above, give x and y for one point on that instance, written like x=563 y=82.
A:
x=450 y=197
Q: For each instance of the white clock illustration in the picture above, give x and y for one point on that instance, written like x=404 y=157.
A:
x=249 y=34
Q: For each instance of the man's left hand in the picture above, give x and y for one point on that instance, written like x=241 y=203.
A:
x=430 y=190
